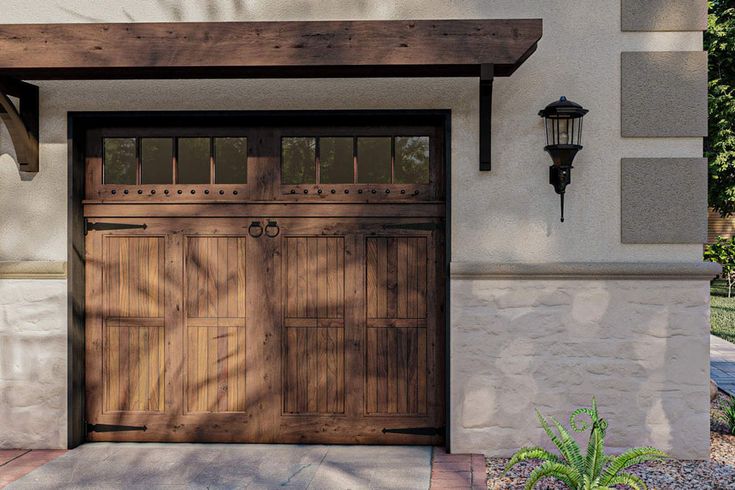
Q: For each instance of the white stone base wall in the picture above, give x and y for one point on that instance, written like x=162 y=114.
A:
x=640 y=346
x=33 y=364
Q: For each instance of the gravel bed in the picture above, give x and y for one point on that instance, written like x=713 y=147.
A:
x=716 y=474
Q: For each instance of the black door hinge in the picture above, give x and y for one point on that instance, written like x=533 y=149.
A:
x=416 y=431
x=414 y=226
x=99 y=226
x=114 y=428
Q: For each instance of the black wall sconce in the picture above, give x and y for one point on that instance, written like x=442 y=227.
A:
x=563 y=120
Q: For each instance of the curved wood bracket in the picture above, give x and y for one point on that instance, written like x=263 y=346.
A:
x=22 y=122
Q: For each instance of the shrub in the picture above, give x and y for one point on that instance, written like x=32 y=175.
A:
x=593 y=471
x=723 y=252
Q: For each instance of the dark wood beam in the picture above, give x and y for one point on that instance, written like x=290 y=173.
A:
x=420 y=48
x=22 y=121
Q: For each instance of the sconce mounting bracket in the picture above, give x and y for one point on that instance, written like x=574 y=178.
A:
x=22 y=121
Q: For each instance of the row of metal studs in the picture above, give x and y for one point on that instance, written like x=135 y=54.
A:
x=166 y=191
x=359 y=191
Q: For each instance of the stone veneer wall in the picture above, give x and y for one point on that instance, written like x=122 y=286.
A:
x=33 y=352
x=640 y=346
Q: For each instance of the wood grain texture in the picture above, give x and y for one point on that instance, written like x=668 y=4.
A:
x=215 y=277
x=267 y=49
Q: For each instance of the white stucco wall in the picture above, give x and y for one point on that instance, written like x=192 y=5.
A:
x=580 y=331
x=33 y=364
x=640 y=347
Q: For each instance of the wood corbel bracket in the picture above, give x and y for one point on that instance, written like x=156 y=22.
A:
x=22 y=121
x=487 y=73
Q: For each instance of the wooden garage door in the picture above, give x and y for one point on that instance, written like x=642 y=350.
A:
x=310 y=322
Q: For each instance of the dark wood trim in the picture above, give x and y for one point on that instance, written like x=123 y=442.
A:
x=76 y=429
x=298 y=49
x=22 y=122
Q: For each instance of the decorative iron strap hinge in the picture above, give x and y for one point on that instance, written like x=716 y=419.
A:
x=414 y=226
x=416 y=431
x=114 y=428
x=98 y=226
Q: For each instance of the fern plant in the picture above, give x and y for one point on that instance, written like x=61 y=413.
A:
x=591 y=471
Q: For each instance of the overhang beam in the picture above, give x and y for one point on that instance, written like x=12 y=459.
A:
x=485 y=48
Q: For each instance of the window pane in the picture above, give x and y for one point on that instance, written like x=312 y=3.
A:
x=156 y=156
x=231 y=160
x=335 y=160
x=373 y=160
x=119 y=161
x=193 y=161
x=298 y=160
x=412 y=160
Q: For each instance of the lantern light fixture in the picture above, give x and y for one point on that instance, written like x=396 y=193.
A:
x=563 y=124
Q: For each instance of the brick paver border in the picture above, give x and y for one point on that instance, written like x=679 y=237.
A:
x=16 y=463
x=457 y=471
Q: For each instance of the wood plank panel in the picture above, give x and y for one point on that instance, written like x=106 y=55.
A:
x=314 y=367
x=396 y=277
x=133 y=369
x=215 y=277
x=396 y=371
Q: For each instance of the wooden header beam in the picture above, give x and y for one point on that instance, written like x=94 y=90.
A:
x=320 y=49
x=323 y=49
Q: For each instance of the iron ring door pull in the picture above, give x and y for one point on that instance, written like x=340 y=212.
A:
x=255 y=229
x=272 y=229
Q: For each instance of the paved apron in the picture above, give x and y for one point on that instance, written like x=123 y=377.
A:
x=722 y=364
x=131 y=465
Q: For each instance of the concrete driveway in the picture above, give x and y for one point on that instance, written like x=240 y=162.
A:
x=129 y=465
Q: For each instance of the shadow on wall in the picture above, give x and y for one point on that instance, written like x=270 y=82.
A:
x=641 y=348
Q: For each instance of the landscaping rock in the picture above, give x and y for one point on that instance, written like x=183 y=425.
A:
x=712 y=390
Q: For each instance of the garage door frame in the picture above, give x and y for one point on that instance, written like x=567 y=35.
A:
x=79 y=122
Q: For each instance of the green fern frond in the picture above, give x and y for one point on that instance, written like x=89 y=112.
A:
x=572 y=451
x=562 y=472
x=596 y=458
x=628 y=480
x=630 y=458
x=549 y=432
x=531 y=453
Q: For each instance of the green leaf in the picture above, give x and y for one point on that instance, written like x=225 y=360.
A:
x=628 y=480
x=531 y=453
x=562 y=472
x=629 y=458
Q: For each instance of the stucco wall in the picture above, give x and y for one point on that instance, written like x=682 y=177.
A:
x=578 y=56
x=641 y=347
x=515 y=345
x=32 y=363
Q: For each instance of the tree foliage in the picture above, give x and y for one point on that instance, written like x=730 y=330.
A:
x=719 y=41
x=723 y=252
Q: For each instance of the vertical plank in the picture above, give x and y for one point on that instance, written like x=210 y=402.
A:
x=382 y=277
x=371 y=388
x=233 y=284
x=340 y=369
x=212 y=374
x=192 y=372
x=421 y=371
x=241 y=278
x=312 y=339
x=411 y=367
x=401 y=369
x=144 y=387
x=154 y=389
x=202 y=380
x=382 y=352
x=324 y=284
x=402 y=278
x=303 y=279
x=372 y=278
x=312 y=280
x=202 y=296
x=112 y=376
x=303 y=367
x=291 y=381
x=322 y=365
x=241 y=373
x=391 y=278
x=221 y=366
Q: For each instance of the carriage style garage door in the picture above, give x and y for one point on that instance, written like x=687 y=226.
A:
x=264 y=278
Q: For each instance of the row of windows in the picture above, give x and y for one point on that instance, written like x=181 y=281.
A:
x=198 y=160
x=304 y=160
x=347 y=160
